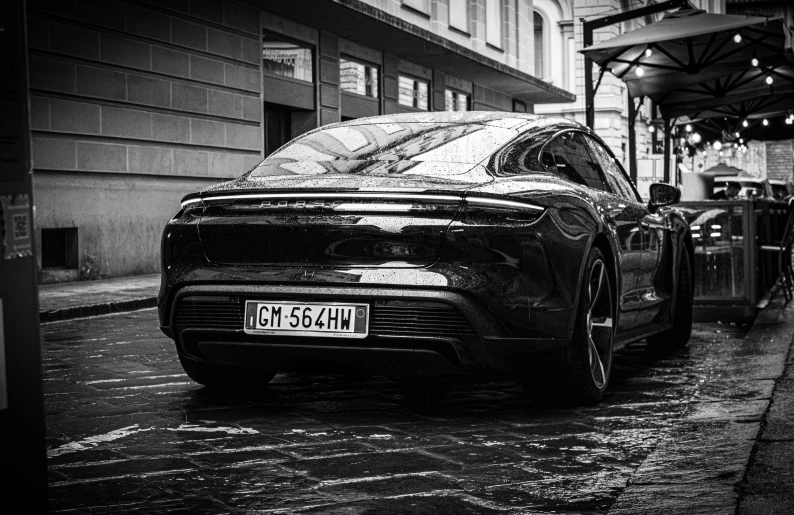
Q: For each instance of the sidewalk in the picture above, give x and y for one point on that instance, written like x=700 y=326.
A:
x=63 y=301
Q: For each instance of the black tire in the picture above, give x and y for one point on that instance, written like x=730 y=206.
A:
x=212 y=375
x=678 y=335
x=584 y=377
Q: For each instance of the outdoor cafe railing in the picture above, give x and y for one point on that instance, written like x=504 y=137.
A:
x=731 y=273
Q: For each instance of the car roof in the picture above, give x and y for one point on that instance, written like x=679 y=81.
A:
x=518 y=121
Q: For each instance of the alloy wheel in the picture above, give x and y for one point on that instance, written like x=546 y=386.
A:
x=599 y=324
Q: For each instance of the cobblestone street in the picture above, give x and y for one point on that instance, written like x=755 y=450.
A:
x=128 y=431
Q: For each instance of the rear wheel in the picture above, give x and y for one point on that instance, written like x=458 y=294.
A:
x=588 y=358
x=212 y=375
x=678 y=335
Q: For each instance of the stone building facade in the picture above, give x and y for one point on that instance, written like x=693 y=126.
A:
x=135 y=103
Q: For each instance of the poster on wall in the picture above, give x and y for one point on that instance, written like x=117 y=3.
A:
x=15 y=224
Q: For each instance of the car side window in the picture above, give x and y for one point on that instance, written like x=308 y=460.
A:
x=573 y=161
x=612 y=171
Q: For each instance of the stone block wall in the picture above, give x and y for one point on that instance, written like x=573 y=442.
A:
x=134 y=89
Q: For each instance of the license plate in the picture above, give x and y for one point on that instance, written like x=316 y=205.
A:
x=330 y=319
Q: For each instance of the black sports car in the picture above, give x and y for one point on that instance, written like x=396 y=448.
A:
x=428 y=244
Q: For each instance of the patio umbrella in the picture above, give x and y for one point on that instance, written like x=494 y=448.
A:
x=722 y=169
x=690 y=47
x=764 y=102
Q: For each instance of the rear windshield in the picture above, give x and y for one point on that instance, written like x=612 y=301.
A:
x=420 y=142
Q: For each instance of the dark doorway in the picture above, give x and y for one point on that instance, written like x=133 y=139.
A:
x=277 y=127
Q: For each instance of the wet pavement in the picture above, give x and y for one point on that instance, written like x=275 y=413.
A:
x=129 y=432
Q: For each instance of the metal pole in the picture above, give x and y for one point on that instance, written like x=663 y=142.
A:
x=22 y=431
x=589 y=92
x=668 y=127
x=632 y=140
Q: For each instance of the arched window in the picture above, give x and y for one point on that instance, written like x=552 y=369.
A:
x=539 y=50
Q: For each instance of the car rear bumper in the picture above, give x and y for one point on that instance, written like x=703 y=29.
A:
x=412 y=332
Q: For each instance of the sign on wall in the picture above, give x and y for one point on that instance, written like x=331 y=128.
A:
x=16 y=226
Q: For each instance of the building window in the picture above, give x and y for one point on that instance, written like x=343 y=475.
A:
x=539 y=47
x=422 y=6
x=493 y=22
x=358 y=77
x=287 y=59
x=413 y=93
x=459 y=14
x=456 y=101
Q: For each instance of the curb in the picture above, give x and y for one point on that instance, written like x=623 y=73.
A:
x=96 y=309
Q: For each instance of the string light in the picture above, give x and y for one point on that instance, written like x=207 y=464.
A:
x=639 y=71
x=651 y=129
x=737 y=134
x=744 y=123
x=648 y=52
x=688 y=128
x=754 y=62
x=769 y=80
x=741 y=140
x=737 y=38
x=765 y=122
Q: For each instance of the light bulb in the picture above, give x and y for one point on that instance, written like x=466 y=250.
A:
x=720 y=152
x=735 y=145
x=766 y=122
x=737 y=38
x=737 y=134
x=754 y=62
x=696 y=138
x=769 y=79
x=744 y=123
x=741 y=140
x=651 y=128
x=648 y=52
x=717 y=145
x=639 y=71
x=704 y=152
x=688 y=128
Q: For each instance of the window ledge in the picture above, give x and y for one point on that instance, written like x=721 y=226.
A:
x=494 y=47
x=416 y=11
x=460 y=31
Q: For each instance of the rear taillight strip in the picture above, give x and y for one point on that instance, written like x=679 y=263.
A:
x=265 y=196
x=505 y=204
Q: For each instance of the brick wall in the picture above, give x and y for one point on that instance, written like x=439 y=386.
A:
x=780 y=159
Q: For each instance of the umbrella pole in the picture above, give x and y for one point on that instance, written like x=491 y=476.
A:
x=668 y=127
x=632 y=141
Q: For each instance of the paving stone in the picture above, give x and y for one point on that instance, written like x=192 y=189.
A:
x=670 y=438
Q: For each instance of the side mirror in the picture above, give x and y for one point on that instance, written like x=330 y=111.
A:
x=663 y=195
